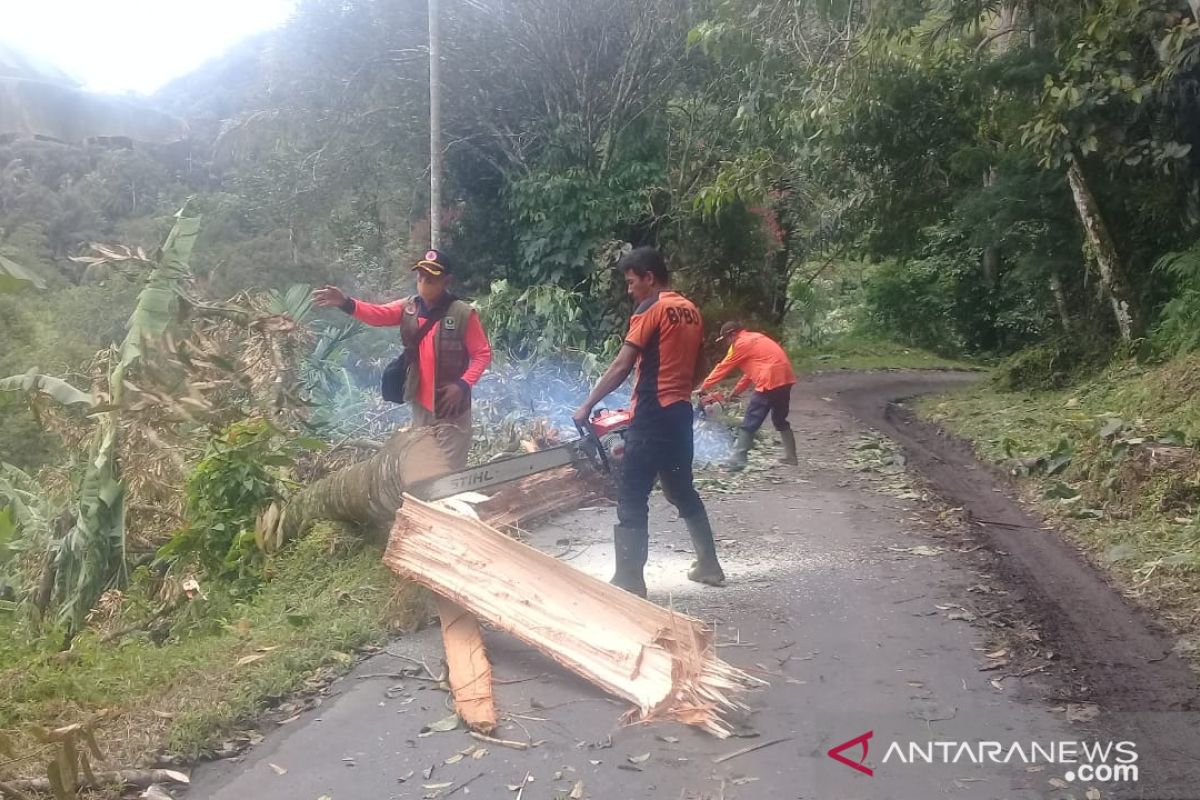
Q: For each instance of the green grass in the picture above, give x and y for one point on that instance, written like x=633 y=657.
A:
x=1151 y=399
x=860 y=352
x=328 y=595
x=1138 y=489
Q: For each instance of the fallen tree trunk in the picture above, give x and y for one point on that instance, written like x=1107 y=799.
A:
x=368 y=493
x=663 y=662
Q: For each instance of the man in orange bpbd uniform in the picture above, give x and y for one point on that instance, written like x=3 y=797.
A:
x=665 y=339
x=447 y=350
x=764 y=364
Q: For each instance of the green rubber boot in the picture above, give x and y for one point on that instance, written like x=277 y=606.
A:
x=789 y=447
x=705 y=569
x=745 y=441
x=631 y=546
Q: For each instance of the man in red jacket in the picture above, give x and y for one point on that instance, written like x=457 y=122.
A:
x=764 y=364
x=450 y=348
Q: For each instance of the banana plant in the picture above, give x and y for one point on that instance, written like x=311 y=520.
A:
x=90 y=557
x=26 y=518
x=14 y=277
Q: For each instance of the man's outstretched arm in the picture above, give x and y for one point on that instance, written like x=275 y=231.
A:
x=612 y=378
x=374 y=314
x=733 y=359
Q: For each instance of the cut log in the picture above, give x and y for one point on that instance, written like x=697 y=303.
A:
x=523 y=501
x=663 y=662
x=540 y=496
x=467 y=663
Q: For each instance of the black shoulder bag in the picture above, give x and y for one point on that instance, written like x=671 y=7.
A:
x=395 y=374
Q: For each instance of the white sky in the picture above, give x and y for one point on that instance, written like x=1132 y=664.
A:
x=134 y=45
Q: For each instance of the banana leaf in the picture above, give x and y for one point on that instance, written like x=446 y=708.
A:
x=14 y=277
x=158 y=301
x=35 y=382
x=91 y=556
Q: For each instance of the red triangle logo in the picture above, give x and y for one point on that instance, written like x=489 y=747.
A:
x=860 y=765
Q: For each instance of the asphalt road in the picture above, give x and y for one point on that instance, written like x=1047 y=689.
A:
x=845 y=593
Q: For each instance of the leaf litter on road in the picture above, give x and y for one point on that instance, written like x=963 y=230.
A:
x=1082 y=712
x=441 y=726
x=750 y=749
x=919 y=550
x=519 y=788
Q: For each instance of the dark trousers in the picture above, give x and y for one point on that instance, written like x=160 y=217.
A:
x=658 y=445
x=776 y=402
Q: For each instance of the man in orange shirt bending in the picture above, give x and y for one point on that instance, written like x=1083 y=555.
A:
x=665 y=343
x=446 y=341
x=764 y=364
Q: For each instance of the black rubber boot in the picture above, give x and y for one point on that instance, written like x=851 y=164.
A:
x=631 y=546
x=706 y=568
x=745 y=441
x=789 y=447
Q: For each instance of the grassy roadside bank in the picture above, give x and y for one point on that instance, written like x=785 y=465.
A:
x=185 y=686
x=1113 y=462
x=861 y=352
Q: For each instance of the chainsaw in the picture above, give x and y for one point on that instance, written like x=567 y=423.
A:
x=599 y=449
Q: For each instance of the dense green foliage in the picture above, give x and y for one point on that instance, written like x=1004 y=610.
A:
x=238 y=477
x=966 y=118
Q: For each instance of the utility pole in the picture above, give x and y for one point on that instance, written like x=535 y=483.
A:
x=435 y=129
